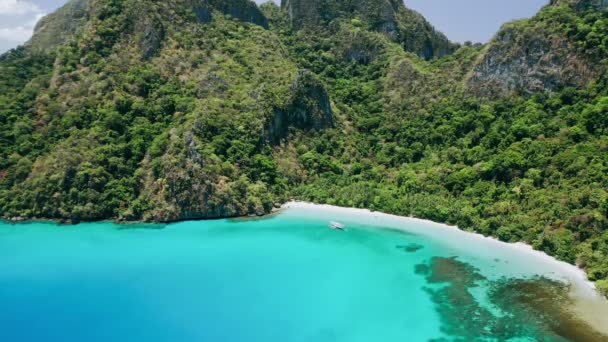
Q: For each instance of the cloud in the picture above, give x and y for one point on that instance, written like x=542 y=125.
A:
x=17 y=21
x=19 y=33
x=17 y=7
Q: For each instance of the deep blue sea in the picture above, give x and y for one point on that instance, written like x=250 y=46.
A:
x=287 y=277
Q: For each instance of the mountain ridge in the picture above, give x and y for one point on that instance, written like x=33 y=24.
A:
x=390 y=17
x=529 y=56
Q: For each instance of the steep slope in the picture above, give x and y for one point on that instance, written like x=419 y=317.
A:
x=390 y=17
x=55 y=28
x=545 y=53
x=159 y=114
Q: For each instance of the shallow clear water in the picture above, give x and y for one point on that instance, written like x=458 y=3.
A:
x=284 y=278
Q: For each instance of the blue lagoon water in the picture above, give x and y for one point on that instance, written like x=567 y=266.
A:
x=283 y=278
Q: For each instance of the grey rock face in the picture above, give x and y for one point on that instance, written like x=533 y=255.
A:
x=417 y=35
x=55 y=28
x=243 y=10
x=390 y=17
x=309 y=109
x=527 y=60
x=152 y=34
x=151 y=43
x=380 y=13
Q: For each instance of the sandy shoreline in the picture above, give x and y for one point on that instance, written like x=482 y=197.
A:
x=521 y=246
x=588 y=303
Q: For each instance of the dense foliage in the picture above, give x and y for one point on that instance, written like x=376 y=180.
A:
x=213 y=119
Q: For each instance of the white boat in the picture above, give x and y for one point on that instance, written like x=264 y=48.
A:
x=336 y=225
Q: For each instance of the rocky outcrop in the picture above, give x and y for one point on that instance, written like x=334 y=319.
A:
x=522 y=60
x=243 y=10
x=148 y=27
x=189 y=189
x=417 y=35
x=54 y=29
x=380 y=13
x=153 y=32
x=390 y=17
x=536 y=55
x=153 y=35
x=309 y=108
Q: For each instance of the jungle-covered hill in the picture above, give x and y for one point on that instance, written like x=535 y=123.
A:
x=186 y=109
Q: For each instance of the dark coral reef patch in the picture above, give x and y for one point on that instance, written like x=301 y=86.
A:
x=535 y=308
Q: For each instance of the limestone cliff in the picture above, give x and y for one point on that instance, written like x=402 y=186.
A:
x=55 y=28
x=243 y=10
x=526 y=61
x=58 y=27
x=391 y=17
x=309 y=108
x=540 y=54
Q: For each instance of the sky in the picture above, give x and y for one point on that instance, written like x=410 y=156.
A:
x=460 y=20
x=473 y=20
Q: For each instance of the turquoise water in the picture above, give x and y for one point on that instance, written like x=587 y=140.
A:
x=284 y=278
